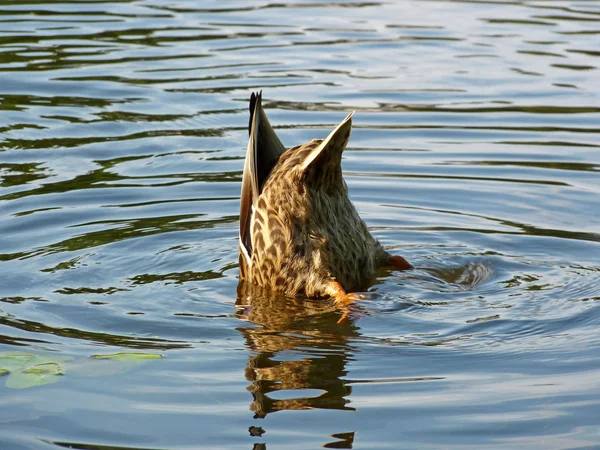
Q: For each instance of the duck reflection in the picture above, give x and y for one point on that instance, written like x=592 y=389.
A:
x=299 y=348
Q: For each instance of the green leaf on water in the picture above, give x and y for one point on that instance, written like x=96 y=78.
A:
x=113 y=364
x=27 y=370
x=36 y=375
x=110 y=364
x=45 y=368
x=129 y=356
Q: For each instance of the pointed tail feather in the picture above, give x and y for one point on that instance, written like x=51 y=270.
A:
x=332 y=146
x=264 y=150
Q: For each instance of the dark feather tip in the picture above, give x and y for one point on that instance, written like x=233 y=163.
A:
x=253 y=99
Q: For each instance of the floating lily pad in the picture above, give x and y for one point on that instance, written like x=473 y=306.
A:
x=129 y=356
x=110 y=364
x=46 y=368
x=36 y=375
x=27 y=370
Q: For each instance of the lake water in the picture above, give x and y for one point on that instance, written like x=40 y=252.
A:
x=475 y=154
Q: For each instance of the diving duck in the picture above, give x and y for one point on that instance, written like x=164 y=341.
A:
x=299 y=232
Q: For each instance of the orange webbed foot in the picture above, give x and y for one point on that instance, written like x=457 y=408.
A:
x=399 y=263
x=342 y=300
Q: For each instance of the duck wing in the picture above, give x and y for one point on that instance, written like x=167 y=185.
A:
x=264 y=150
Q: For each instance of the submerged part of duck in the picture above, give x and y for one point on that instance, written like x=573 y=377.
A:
x=299 y=232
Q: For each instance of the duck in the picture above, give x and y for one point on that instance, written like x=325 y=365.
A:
x=300 y=235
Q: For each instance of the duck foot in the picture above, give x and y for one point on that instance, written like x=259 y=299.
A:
x=342 y=300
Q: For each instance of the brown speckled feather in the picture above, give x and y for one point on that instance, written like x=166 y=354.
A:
x=301 y=232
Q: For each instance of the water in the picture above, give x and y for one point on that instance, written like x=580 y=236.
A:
x=475 y=155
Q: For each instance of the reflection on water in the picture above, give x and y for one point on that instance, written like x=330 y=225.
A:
x=474 y=153
x=309 y=327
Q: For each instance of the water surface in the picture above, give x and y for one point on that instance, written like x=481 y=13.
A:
x=475 y=154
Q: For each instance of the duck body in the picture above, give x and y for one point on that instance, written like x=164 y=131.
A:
x=299 y=232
